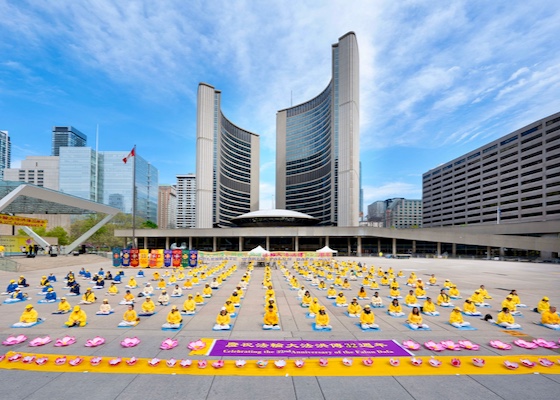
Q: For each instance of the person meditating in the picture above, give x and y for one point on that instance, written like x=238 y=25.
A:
x=367 y=319
x=410 y=299
x=12 y=286
x=433 y=280
x=341 y=300
x=77 y=317
x=506 y=320
x=456 y=319
x=148 y=289
x=207 y=291
x=550 y=319
x=128 y=298
x=420 y=292
x=306 y=300
x=354 y=309
x=271 y=319
x=415 y=320
x=177 y=291
x=148 y=307
x=469 y=308
x=510 y=305
x=88 y=297
x=132 y=284
x=130 y=318
x=230 y=308
x=331 y=293
x=105 y=308
x=484 y=292
x=63 y=307
x=163 y=298
x=199 y=300
x=223 y=321
x=362 y=294
x=515 y=298
x=395 y=309
x=314 y=307
x=443 y=299
x=189 y=306
x=478 y=299
x=454 y=292
x=113 y=289
x=29 y=317
x=322 y=319
x=429 y=308
x=174 y=319
x=543 y=305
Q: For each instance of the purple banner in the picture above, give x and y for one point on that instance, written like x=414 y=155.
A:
x=303 y=348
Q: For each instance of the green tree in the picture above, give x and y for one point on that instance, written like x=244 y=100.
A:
x=57 y=232
x=148 y=225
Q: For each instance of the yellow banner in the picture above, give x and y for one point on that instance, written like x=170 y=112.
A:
x=143 y=257
x=22 y=221
x=14 y=244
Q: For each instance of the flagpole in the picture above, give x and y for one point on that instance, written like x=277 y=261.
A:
x=134 y=244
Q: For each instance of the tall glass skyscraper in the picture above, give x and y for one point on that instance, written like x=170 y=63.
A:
x=5 y=152
x=227 y=164
x=317 y=146
x=66 y=136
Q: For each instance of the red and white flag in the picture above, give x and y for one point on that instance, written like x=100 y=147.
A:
x=131 y=154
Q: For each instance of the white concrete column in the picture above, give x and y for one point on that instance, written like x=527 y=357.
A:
x=359 y=248
x=438 y=249
x=296 y=243
x=394 y=246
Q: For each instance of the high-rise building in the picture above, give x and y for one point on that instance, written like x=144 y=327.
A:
x=513 y=179
x=376 y=212
x=105 y=178
x=317 y=146
x=167 y=207
x=38 y=170
x=5 y=152
x=403 y=213
x=227 y=164
x=66 y=136
x=186 y=201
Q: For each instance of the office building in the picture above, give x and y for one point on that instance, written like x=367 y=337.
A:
x=376 y=213
x=403 y=213
x=227 y=164
x=167 y=207
x=513 y=179
x=66 y=136
x=5 y=152
x=186 y=201
x=42 y=171
x=317 y=146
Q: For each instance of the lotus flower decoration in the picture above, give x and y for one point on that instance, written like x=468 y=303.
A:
x=240 y=363
x=16 y=357
x=497 y=344
x=41 y=361
x=527 y=363
x=524 y=344
x=368 y=362
x=96 y=341
x=455 y=362
x=65 y=341
x=76 y=361
x=450 y=345
x=154 y=362
x=40 y=341
x=467 y=344
x=95 y=361
x=545 y=362
x=431 y=345
x=60 y=360
x=202 y=364
x=130 y=342
x=280 y=364
x=411 y=345
x=115 y=361
x=131 y=361
x=196 y=345
x=299 y=363
x=218 y=364
x=12 y=340
x=511 y=365
x=262 y=363
x=416 y=361
x=347 y=361
x=185 y=363
x=169 y=344
x=323 y=362
x=545 y=343
x=171 y=362
x=28 y=359
x=2 y=357
x=434 y=362
x=395 y=362
x=479 y=362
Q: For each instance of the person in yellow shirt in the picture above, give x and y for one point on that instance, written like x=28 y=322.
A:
x=354 y=308
x=128 y=298
x=63 y=307
x=230 y=308
x=223 y=321
x=181 y=276
x=395 y=309
x=362 y=294
x=400 y=274
x=384 y=280
x=173 y=320
x=420 y=292
x=429 y=308
x=322 y=320
x=306 y=300
x=113 y=289
x=207 y=291
x=543 y=305
x=77 y=317
x=156 y=277
x=506 y=320
x=161 y=284
x=395 y=293
x=132 y=284
x=88 y=297
x=189 y=306
x=373 y=284
x=550 y=319
x=454 y=292
x=484 y=292
x=433 y=280
x=367 y=319
x=28 y=318
x=269 y=294
x=271 y=319
x=346 y=285
x=172 y=280
x=187 y=284
x=510 y=305
x=331 y=293
x=341 y=300
x=515 y=298
x=338 y=281
x=130 y=318
x=415 y=320
x=148 y=307
x=443 y=299
x=478 y=299
x=105 y=308
x=456 y=319
x=199 y=300
x=410 y=300
x=469 y=308
x=447 y=284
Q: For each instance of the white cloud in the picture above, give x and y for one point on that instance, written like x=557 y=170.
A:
x=391 y=190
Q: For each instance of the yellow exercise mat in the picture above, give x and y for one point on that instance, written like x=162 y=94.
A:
x=335 y=367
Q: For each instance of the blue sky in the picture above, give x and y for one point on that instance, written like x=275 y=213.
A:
x=437 y=78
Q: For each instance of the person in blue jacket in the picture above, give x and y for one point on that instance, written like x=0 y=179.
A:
x=12 y=286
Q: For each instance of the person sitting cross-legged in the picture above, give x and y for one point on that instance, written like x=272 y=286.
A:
x=174 y=319
x=367 y=318
x=130 y=318
x=271 y=319
x=415 y=319
x=29 y=317
x=77 y=317
x=550 y=318
x=456 y=319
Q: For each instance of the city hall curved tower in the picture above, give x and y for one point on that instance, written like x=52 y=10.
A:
x=227 y=164
x=317 y=146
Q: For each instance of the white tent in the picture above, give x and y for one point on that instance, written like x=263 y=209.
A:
x=258 y=251
x=326 y=249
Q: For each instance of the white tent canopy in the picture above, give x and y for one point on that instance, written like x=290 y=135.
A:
x=326 y=249
x=258 y=251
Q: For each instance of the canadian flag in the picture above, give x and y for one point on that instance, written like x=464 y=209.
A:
x=131 y=154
